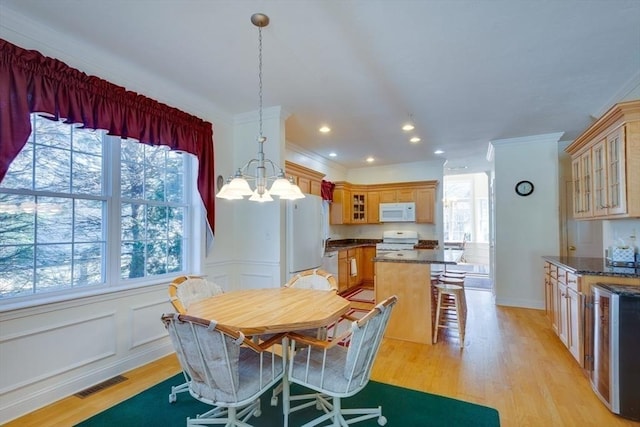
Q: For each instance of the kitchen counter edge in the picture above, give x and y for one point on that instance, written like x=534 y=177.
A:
x=592 y=266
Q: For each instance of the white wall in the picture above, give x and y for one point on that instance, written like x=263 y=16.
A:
x=527 y=228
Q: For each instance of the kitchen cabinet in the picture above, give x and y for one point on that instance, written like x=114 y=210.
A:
x=426 y=205
x=355 y=263
x=358 y=207
x=343 y=271
x=309 y=181
x=373 y=207
x=367 y=265
x=397 y=195
x=606 y=165
x=340 y=210
x=359 y=204
x=562 y=305
x=582 y=185
x=565 y=294
x=349 y=277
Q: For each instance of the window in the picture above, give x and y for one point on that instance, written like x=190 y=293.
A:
x=80 y=209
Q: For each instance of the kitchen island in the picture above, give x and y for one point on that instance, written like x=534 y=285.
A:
x=407 y=274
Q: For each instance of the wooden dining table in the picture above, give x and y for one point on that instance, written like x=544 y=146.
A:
x=272 y=310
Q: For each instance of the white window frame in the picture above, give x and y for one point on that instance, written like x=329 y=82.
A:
x=194 y=235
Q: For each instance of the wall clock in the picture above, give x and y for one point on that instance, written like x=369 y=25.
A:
x=524 y=188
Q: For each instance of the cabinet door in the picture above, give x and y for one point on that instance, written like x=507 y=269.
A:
x=388 y=196
x=368 y=253
x=358 y=208
x=425 y=206
x=587 y=185
x=354 y=256
x=577 y=187
x=573 y=323
x=305 y=185
x=600 y=202
x=315 y=188
x=548 y=292
x=563 y=312
x=343 y=271
x=340 y=209
x=616 y=178
x=406 y=195
x=373 y=207
x=555 y=306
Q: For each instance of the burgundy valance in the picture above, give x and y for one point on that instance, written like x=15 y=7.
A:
x=33 y=83
x=326 y=190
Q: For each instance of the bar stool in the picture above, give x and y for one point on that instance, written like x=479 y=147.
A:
x=457 y=307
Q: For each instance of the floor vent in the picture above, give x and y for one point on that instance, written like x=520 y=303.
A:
x=96 y=388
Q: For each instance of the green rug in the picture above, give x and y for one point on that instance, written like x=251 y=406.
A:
x=401 y=407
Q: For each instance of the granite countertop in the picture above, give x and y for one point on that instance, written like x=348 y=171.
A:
x=341 y=244
x=436 y=256
x=592 y=266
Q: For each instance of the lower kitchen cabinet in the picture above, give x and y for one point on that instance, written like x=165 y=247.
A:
x=367 y=265
x=362 y=259
x=566 y=294
x=562 y=300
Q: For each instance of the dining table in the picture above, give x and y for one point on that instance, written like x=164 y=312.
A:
x=272 y=310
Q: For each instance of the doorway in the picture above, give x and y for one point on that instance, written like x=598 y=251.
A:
x=467 y=226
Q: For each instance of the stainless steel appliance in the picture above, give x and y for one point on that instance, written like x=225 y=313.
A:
x=393 y=241
x=615 y=376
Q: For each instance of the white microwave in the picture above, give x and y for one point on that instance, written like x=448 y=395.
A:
x=398 y=212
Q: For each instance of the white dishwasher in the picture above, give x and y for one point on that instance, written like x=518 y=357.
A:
x=330 y=263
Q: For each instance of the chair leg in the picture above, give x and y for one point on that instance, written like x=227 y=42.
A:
x=436 y=325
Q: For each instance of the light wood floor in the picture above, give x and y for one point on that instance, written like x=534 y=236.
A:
x=512 y=361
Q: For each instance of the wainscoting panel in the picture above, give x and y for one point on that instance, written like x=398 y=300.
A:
x=145 y=322
x=39 y=354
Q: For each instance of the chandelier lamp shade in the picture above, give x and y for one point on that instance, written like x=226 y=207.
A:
x=260 y=171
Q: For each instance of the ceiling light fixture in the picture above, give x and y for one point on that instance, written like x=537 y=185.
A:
x=438 y=152
x=332 y=154
x=370 y=159
x=237 y=186
x=415 y=139
x=325 y=129
x=408 y=126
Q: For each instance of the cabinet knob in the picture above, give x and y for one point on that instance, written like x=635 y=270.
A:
x=572 y=248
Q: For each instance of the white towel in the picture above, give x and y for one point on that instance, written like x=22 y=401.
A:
x=354 y=267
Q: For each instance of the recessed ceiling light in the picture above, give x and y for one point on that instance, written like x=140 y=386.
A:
x=415 y=139
x=325 y=129
x=370 y=159
x=438 y=152
x=332 y=154
x=407 y=127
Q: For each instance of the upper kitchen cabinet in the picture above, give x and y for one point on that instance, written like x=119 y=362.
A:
x=426 y=205
x=359 y=204
x=400 y=195
x=606 y=165
x=309 y=181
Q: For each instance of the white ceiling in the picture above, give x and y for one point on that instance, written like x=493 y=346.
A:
x=467 y=72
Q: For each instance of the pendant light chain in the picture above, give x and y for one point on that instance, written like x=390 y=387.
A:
x=260 y=80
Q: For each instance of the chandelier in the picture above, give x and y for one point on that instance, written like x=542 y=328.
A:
x=260 y=171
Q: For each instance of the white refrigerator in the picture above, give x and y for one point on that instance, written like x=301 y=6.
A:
x=305 y=234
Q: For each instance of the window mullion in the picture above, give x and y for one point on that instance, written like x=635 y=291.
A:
x=112 y=224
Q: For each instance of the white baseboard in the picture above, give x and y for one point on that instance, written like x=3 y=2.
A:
x=48 y=395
